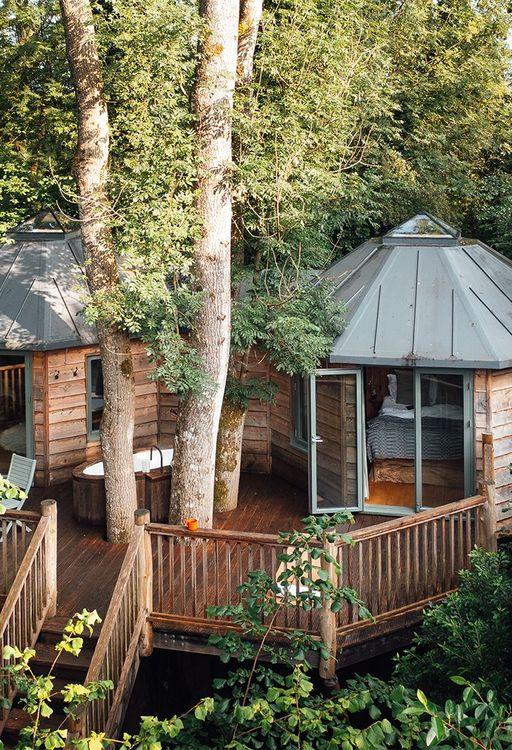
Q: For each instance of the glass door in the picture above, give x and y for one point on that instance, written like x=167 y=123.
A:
x=444 y=445
x=335 y=471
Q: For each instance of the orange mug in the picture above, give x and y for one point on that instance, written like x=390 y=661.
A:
x=192 y=524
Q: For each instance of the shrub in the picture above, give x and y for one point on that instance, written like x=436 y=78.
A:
x=468 y=634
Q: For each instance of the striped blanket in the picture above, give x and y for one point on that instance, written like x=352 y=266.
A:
x=393 y=437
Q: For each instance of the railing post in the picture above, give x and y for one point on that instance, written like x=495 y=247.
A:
x=142 y=518
x=327 y=667
x=49 y=510
x=487 y=488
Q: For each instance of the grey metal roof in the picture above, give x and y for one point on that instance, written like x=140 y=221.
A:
x=42 y=287
x=425 y=304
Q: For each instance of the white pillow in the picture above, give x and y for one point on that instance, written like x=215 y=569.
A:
x=392 y=386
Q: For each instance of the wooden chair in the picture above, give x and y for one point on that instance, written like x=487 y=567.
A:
x=21 y=473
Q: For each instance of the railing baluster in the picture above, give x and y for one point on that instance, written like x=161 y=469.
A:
x=159 y=570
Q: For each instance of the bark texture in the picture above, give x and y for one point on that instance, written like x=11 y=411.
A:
x=101 y=267
x=250 y=17
x=232 y=420
x=198 y=419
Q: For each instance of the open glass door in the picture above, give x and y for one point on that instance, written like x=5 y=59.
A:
x=335 y=468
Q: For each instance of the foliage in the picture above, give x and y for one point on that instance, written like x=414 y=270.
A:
x=9 y=491
x=360 y=112
x=304 y=584
x=37 y=117
x=468 y=634
x=37 y=691
x=290 y=318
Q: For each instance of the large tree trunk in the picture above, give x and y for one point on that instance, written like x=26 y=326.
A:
x=198 y=419
x=101 y=266
x=232 y=420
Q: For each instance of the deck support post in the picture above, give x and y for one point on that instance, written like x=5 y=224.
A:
x=49 y=510
x=327 y=667
x=487 y=531
x=142 y=518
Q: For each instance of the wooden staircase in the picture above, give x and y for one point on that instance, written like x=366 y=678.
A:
x=69 y=669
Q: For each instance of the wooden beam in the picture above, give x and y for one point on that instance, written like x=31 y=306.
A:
x=488 y=526
x=49 y=510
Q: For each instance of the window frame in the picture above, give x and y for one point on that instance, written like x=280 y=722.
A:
x=300 y=413
x=92 y=434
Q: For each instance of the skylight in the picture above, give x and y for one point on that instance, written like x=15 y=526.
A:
x=44 y=221
x=422 y=228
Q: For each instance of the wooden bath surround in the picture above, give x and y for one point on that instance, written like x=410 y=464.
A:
x=153 y=492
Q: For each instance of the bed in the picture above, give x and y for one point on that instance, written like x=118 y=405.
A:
x=390 y=444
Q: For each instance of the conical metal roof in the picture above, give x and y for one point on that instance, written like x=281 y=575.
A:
x=422 y=296
x=42 y=287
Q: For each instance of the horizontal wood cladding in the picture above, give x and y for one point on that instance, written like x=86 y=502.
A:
x=60 y=410
x=256 y=438
x=500 y=417
x=493 y=414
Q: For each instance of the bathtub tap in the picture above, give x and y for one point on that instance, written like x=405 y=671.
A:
x=161 y=455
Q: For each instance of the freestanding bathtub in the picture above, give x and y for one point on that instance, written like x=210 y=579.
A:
x=152 y=478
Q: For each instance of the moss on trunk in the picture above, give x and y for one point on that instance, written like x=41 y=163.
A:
x=229 y=456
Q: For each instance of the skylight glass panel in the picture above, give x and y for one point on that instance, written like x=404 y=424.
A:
x=421 y=225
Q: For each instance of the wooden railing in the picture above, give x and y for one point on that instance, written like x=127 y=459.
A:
x=195 y=570
x=12 y=391
x=410 y=561
x=124 y=636
x=396 y=567
x=13 y=546
x=33 y=591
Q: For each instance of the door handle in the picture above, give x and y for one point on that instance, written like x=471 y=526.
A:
x=317 y=439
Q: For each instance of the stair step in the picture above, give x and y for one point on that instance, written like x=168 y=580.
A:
x=53 y=628
x=18 y=719
x=68 y=666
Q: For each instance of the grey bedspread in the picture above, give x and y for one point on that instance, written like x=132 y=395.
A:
x=393 y=437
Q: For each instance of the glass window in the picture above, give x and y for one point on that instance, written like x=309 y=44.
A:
x=300 y=412
x=442 y=438
x=94 y=396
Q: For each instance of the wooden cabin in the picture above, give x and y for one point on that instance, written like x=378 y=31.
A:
x=51 y=385
x=393 y=423
x=411 y=408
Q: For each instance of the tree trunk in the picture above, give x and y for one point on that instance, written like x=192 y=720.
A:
x=198 y=419
x=101 y=266
x=229 y=456
x=232 y=420
x=250 y=17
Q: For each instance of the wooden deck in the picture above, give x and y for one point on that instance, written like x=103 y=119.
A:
x=88 y=566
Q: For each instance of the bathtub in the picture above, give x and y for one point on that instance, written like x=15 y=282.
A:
x=140 y=462
x=152 y=479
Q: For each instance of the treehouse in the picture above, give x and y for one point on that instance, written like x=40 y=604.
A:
x=393 y=423
x=410 y=417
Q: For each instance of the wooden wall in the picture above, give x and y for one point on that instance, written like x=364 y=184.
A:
x=256 y=441
x=60 y=422
x=493 y=413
